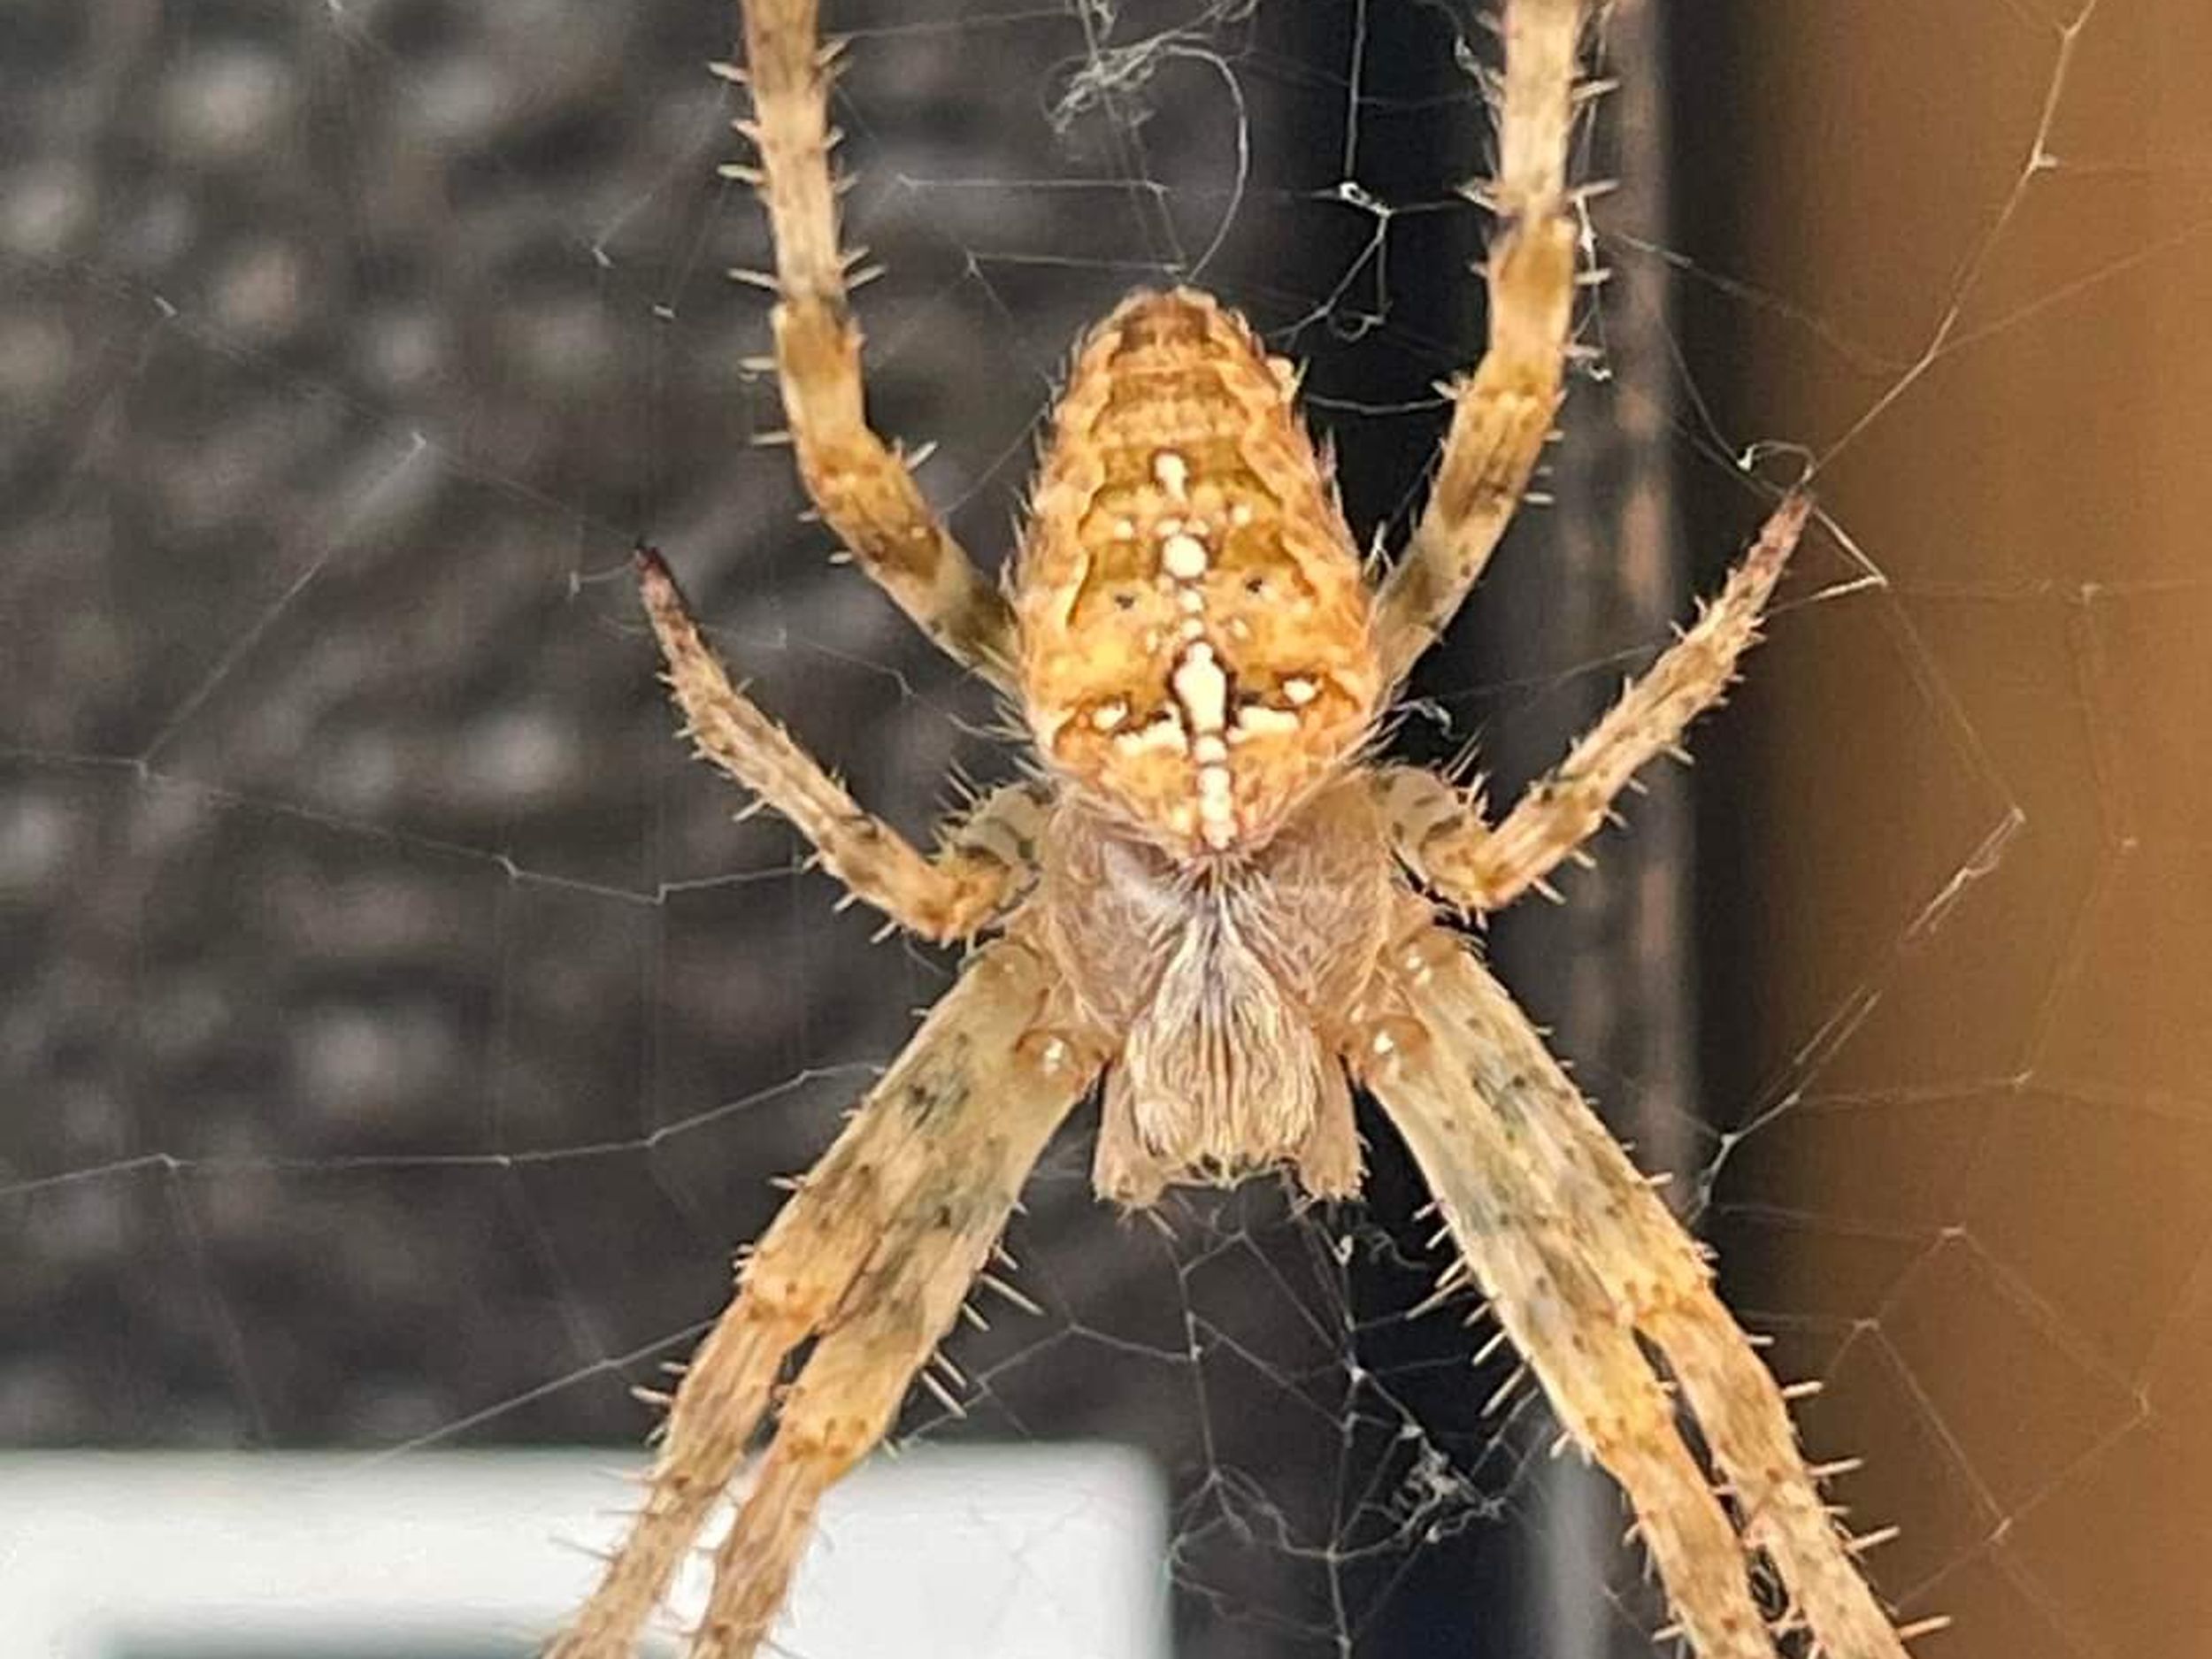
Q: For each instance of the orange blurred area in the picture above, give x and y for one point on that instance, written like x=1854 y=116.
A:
x=1985 y=810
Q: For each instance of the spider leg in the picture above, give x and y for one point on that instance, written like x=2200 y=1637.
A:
x=861 y=486
x=871 y=1256
x=1494 y=1121
x=1503 y=413
x=1520 y=1242
x=946 y=897
x=1440 y=833
x=849 y=1394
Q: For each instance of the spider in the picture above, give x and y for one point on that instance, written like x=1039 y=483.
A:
x=1213 y=907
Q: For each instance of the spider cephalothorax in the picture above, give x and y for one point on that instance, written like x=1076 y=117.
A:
x=1225 y=989
x=1216 y=910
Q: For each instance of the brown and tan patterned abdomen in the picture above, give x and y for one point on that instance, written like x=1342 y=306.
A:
x=1195 y=647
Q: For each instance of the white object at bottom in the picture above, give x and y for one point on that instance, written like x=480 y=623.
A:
x=945 y=1553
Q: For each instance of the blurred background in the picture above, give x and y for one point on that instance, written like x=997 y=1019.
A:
x=397 y=1037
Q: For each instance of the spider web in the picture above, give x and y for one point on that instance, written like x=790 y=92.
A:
x=397 y=1036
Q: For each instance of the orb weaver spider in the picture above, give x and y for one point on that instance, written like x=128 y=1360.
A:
x=1213 y=907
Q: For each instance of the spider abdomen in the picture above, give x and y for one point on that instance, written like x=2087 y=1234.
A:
x=1194 y=630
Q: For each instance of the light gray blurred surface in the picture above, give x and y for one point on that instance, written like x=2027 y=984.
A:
x=967 y=1553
